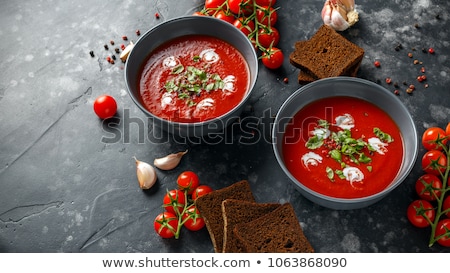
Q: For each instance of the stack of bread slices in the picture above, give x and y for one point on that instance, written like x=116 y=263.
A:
x=237 y=223
x=326 y=54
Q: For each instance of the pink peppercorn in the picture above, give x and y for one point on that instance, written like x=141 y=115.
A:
x=431 y=50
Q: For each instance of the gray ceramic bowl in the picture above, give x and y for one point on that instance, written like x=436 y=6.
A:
x=353 y=87
x=182 y=26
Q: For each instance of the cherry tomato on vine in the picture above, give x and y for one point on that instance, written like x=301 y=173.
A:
x=434 y=162
x=273 y=58
x=166 y=224
x=246 y=26
x=192 y=219
x=268 y=37
x=267 y=16
x=447 y=130
x=241 y=7
x=446 y=205
x=105 y=106
x=416 y=212
x=225 y=17
x=174 y=200
x=188 y=181
x=213 y=4
x=266 y=2
x=201 y=190
x=433 y=137
x=426 y=185
x=198 y=13
x=442 y=228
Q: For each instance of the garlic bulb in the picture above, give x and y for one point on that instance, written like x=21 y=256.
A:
x=170 y=161
x=339 y=14
x=146 y=174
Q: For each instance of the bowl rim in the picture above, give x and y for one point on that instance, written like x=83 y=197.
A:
x=207 y=19
x=346 y=201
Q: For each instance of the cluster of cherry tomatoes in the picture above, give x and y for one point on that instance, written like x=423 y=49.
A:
x=433 y=206
x=256 y=19
x=179 y=207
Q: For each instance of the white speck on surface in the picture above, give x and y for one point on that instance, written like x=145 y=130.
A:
x=29 y=58
x=351 y=243
x=45 y=230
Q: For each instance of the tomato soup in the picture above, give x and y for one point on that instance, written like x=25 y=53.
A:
x=343 y=147
x=193 y=78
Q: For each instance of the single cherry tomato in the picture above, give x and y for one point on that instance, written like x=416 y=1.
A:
x=267 y=16
x=166 y=224
x=241 y=7
x=443 y=227
x=446 y=205
x=174 y=201
x=434 y=138
x=447 y=130
x=426 y=185
x=266 y=2
x=188 y=181
x=214 y=4
x=273 y=58
x=192 y=219
x=245 y=25
x=222 y=15
x=198 y=13
x=434 y=162
x=268 y=37
x=105 y=106
x=418 y=210
x=201 y=190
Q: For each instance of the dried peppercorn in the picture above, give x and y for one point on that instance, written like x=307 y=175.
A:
x=106 y=47
x=396 y=92
x=113 y=57
x=431 y=50
x=138 y=32
x=388 y=80
x=125 y=38
x=91 y=53
x=157 y=15
x=111 y=42
x=122 y=46
x=377 y=63
x=117 y=50
x=286 y=80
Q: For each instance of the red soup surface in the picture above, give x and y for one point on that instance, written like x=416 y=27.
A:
x=193 y=78
x=343 y=147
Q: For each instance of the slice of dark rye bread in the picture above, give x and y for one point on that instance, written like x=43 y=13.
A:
x=210 y=207
x=278 y=231
x=326 y=54
x=237 y=212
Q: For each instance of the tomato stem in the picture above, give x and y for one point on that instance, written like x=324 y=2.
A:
x=440 y=200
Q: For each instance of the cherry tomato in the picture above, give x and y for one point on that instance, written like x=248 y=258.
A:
x=192 y=219
x=188 y=181
x=267 y=16
x=433 y=138
x=166 y=224
x=105 y=106
x=198 y=13
x=201 y=190
x=426 y=185
x=213 y=4
x=416 y=212
x=174 y=201
x=443 y=227
x=266 y=2
x=446 y=205
x=273 y=59
x=268 y=37
x=447 y=130
x=241 y=7
x=246 y=26
x=222 y=15
x=434 y=162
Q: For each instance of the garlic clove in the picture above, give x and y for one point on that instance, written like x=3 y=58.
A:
x=146 y=174
x=170 y=161
x=339 y=14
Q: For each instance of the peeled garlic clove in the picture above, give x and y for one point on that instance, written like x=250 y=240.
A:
x=124 y=55
x=146 y=174
x=170 y=161
x=339 y=14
